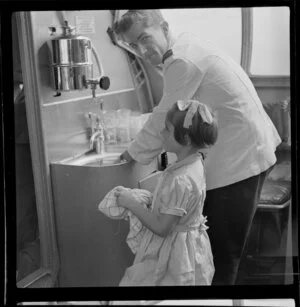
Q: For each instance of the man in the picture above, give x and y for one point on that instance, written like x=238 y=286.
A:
x=244 y=153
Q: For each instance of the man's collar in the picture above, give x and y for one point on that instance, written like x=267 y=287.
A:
x=168 y=54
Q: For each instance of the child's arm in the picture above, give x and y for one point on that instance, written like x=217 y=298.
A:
x=161 y=225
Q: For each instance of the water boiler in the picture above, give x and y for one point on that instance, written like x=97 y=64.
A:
x=72 y=64
x=71 y=60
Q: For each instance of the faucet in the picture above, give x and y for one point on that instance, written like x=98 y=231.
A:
x=97 y=138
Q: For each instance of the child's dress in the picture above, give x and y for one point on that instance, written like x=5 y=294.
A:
x=184 y=257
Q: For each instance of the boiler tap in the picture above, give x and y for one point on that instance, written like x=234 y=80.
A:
x=103 y=83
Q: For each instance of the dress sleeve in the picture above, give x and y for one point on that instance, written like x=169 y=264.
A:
x=174 y=197
x=181 y=80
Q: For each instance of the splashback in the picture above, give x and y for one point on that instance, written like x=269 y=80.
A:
x=66 y=125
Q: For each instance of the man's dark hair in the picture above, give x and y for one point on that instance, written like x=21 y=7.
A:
x=146 y=17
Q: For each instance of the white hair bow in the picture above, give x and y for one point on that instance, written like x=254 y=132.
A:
x=193 y=106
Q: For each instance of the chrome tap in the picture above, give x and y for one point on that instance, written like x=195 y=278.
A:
x=97 y=138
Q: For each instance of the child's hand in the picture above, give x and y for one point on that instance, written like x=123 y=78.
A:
x=125 y=198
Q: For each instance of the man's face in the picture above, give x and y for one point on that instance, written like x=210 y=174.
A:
x=150 y=43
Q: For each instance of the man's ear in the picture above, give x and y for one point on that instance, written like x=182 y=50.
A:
x=165 y=27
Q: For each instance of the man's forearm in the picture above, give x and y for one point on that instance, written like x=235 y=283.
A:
x=148 y=143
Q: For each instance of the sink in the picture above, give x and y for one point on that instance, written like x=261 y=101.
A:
x=106 y=160
x=96 y=160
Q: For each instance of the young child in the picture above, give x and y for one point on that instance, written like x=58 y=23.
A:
x=175 y=249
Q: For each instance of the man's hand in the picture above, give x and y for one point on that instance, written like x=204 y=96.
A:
x=126 y=156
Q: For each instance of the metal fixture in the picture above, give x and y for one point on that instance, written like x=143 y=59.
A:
x=97 y=138
x=103 y=83
x=72 y=64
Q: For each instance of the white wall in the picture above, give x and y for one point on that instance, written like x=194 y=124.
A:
x=220 y=26
x=271 y=41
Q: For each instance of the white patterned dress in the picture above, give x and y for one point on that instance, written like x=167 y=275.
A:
x=184 y=257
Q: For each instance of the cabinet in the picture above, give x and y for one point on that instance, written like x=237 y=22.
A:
x=92 y=247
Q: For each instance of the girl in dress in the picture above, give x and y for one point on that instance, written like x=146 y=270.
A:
x=175 y=249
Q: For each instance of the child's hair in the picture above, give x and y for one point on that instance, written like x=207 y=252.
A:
x=201 y=134
x=146 y=17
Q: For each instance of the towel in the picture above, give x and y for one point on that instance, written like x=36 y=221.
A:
x=110 y=208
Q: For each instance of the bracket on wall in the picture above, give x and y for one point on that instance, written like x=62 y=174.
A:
x=109 y=31
x=138 y=71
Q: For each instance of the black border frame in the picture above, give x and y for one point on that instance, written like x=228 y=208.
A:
x=13 y=295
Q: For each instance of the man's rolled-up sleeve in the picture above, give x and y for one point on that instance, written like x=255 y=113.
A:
x=181 y=80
